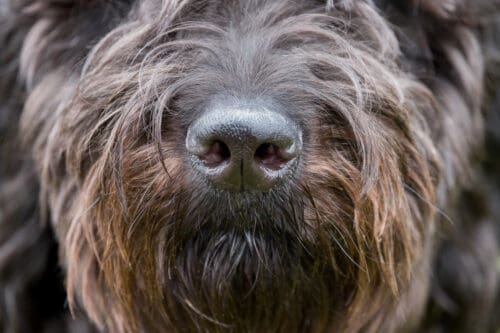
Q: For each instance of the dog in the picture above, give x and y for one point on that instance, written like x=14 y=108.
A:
x=249 y=165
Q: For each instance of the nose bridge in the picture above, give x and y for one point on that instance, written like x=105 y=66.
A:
x=246 y=126
x=244 y=148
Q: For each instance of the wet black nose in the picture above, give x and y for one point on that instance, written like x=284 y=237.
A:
x=243 y=149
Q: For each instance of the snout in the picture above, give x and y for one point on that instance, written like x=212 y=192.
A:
x=243 y=148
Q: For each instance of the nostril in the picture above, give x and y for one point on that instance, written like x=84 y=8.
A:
x=270 y=156
x=217 y=154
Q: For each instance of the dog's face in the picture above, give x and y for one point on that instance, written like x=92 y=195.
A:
x=243 y=166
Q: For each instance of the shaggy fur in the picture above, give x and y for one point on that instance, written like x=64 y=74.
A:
x=389 y=224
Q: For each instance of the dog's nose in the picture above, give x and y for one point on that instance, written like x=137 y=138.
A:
x=243 y=149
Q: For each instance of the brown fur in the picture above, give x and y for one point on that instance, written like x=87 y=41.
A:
x=387 y=226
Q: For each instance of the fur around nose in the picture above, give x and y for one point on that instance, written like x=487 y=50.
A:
x=244 y=148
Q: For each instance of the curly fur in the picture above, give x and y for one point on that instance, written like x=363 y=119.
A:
x=389 y=225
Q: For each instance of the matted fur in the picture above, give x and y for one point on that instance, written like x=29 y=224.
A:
x=386 y=226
